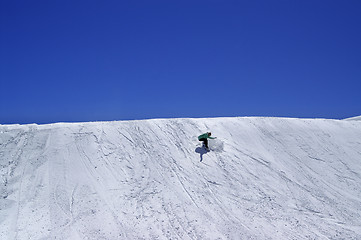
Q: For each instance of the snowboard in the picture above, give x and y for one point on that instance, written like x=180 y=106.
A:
x=207 y=149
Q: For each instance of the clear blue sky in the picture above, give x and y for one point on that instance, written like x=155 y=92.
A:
x=112 y=60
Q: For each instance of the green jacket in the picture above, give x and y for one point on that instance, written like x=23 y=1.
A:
x=205 y=135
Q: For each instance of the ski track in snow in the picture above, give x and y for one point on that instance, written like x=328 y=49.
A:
x=267 y=178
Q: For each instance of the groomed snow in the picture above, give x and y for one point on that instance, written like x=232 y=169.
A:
x=266 y=178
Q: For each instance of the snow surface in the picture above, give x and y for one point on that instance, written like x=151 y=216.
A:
x=266 y=178
x=354 y=118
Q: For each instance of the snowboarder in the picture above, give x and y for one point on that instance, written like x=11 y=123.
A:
x=204 y=138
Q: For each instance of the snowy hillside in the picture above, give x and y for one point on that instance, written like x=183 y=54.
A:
x=266 y=178
x=354 y=119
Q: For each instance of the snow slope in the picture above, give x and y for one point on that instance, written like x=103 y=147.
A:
x=267 y=178
x=358 y=118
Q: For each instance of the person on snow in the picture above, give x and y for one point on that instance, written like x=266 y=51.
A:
x=204 y=138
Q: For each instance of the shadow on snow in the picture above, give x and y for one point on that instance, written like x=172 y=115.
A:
x=201 y=151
